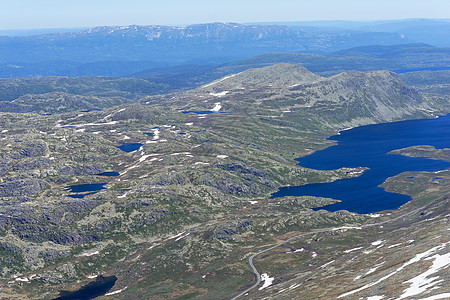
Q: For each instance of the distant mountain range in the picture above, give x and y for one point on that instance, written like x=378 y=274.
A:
x=124 y=50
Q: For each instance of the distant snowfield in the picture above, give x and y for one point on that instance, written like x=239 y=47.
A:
x=220 y=80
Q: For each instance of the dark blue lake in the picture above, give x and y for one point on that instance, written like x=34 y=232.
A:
x=367 y=146
x=90 y=187
x=129 y=147
x=95 y=289
x=81 y=196
x=407 y=70
x=111 y=174
x=94 y=109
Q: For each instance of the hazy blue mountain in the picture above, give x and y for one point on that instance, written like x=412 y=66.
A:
x=398 y=58
x=29 y=32
x=120 y=50
x=123 y=50
x=431 y=31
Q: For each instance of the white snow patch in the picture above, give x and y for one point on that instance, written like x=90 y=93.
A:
x=201 y=163
x=183 y=236
x=177 y=235
x=115 y=292
x=437 y=297
x=126 y=137
x=351 y=250
x=437 y=172
x=189 y=124
x=89 y=253
x=323 y=266
x=217 y=107
x=395 y=245
x=345 y=129
x=5 y=131
x=217 y=81
x=267 y=281
x=375 y=297
x=180 y=153
x=297 y=250
x=415 y=259
x=123 y=196
x=423 y=282
x=346 y=227
x=81 y=130
x=221 y=156
x=221 y=94
x=92 y=276
x=371 y=270
x=375 y=216
x=144 y=157
x=156 y=133
x=152 y=246
x=22 y=279
x=253 y=202
x=376 y=243
x=314 y=254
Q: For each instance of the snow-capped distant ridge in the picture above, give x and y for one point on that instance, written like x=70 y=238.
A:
x=217 y=29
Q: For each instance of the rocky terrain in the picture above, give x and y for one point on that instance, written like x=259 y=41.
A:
x=187 y=208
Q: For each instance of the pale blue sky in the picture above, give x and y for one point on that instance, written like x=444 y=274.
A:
x=26 y=14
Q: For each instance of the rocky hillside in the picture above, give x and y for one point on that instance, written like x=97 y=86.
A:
x=345 y=100
x=169 y=196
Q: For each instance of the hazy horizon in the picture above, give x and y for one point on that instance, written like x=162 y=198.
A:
x=57 y=14
x=311 y=22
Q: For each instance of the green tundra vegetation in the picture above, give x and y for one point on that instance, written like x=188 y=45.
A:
x=190 y=206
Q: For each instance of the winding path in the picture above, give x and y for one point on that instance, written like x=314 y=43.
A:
x=258 y=276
